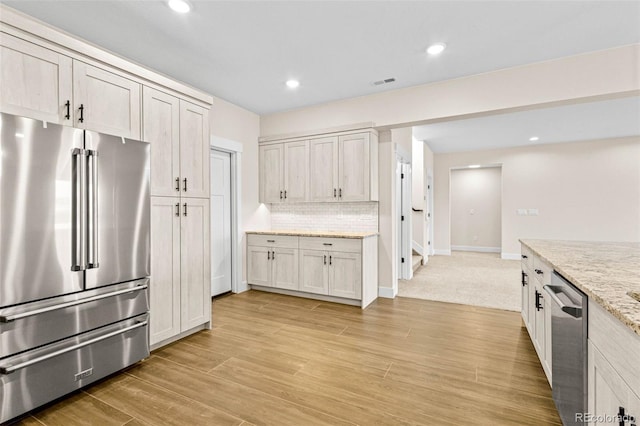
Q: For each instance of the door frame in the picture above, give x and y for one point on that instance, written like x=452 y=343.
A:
x=235 y=150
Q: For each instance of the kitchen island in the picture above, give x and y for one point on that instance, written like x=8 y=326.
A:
x=609 y=275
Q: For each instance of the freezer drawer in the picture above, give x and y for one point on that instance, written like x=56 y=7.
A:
x=42 y=375
x=35 y=324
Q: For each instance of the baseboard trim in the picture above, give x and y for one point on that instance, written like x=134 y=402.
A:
x=324 y=298
x=511 y=256
x=440 y=252
x=244 y=286
x=476 y=248
x=387 y=292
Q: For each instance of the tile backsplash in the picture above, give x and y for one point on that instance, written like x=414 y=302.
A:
x=358 y=217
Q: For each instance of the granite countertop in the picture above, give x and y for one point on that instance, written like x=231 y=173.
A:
x=609 y=273
x=306 y=233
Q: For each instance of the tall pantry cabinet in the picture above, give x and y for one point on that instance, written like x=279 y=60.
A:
x=48 y=75
x=180 y=268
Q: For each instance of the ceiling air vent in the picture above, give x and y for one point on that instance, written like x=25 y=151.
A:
x=385 y=81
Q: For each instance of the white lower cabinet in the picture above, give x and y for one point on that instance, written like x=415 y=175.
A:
x=180 y=265
x=273 y=261
x=340 y=269
x=536 y=312
x=613 y=370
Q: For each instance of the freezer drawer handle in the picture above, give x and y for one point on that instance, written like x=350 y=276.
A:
x=11 y=368
x=9 y=318
x=573 y=310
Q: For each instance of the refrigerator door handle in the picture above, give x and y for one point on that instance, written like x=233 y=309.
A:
x=92 y=206
x=77 y=210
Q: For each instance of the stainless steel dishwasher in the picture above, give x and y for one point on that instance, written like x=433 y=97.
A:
x=569 y=349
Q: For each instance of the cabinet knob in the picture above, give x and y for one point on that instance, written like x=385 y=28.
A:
x=524 y=256
x=539 y=272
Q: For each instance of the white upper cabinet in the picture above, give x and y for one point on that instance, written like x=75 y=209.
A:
x=35 y=82
x=354 y=167
x=329 y=168
x=323 y=169
x=296 y=171
x=106 y=102
x=161 y=117
x=194 y=150
x=271 y=173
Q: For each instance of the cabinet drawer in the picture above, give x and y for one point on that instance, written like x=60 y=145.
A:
x=527 y=257
x=278 y=241
x=542 y=271
x=69 y=365
x=350 y=245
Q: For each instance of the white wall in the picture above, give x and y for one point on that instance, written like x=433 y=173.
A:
x=231 y=122
x=476 y=209
x=583 y=191
x=591 y=75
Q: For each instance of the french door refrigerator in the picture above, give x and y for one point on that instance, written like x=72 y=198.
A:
x=74 y=259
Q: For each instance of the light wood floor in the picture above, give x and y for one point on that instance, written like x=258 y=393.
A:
x=281 y=360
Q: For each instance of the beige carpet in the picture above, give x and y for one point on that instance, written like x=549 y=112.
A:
x=468 y=278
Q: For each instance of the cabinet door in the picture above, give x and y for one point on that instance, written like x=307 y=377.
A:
x=34 y=82
x=161 y=128
x=259 y=265
x=110 y=103
x=195 y=268
x=194 y=150
x=165 y=269
x=296 y=171
x=524 y=286
x=606 y=391
x=271 y=173
x=345 y=275
x=323 y=169
x=285 y=268
x=354 y=159
x=313 y=271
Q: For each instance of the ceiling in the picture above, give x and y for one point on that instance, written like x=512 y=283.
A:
x=578 y=122
x=244 y=51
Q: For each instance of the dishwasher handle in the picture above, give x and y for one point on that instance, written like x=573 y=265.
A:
x=573 y=310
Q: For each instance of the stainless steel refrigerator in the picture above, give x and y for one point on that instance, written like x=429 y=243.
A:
x=74 y=259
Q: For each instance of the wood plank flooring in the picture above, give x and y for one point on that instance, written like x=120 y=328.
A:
x=281 y=360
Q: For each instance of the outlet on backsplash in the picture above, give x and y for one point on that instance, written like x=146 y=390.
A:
x=358 y=217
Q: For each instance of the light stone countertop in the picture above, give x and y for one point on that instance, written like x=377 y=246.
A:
x=307 y=233
x=606 y=272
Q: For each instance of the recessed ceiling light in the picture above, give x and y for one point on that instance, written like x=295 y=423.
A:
x=534 y=138
x=474 y=166
x=180 y=6
x=436 y=49
x=292 y=84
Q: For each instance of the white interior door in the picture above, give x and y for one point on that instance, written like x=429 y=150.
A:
x=403 y=194
x=220 y=222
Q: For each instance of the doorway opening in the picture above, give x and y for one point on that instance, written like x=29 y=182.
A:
x=476 y=208
x=225 y=208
